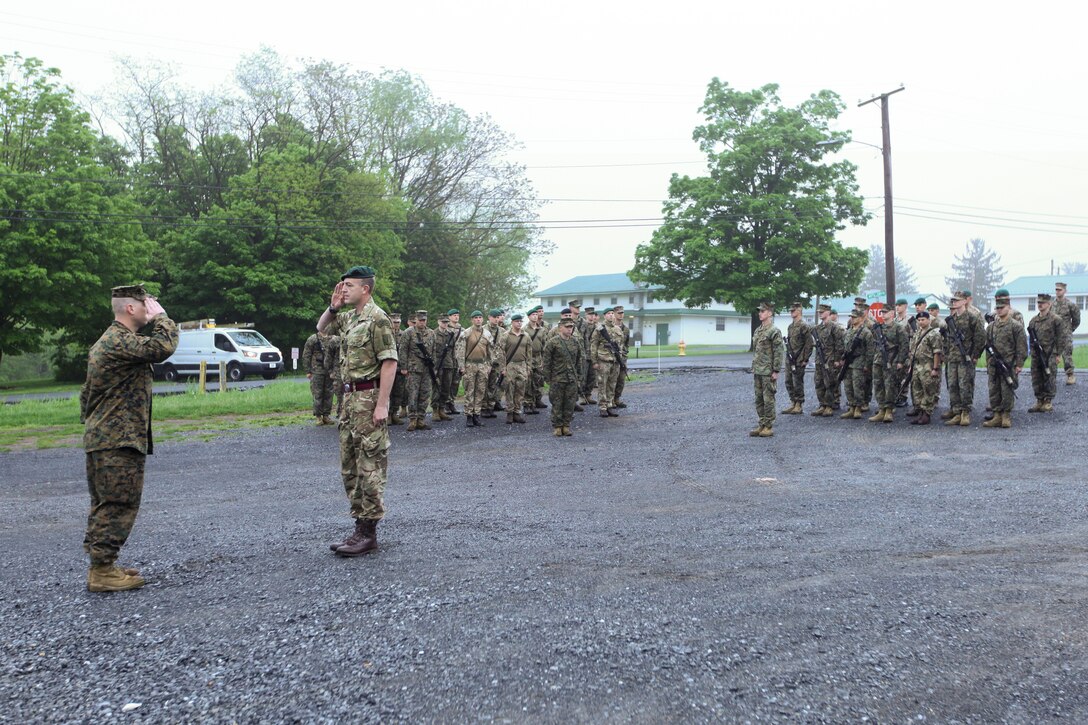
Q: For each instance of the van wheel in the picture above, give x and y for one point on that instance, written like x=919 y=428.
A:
x=269 y=376
x=235 y=373
x=170 y=373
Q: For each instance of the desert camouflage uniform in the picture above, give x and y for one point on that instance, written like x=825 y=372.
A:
x=622 y=336
x=476 y=353
x=925 y=387
x=115 y=404
x=768 y=355
x=516 y=358
x=601 y=354
x=366 y=341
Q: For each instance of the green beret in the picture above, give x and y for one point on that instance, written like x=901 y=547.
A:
x=834 y=311
x=966 y=293
x=361 y=272
x=493 y=312
x=515 y=316
x=454 y=311
x=920 y=301
x=133 y=291
x=1001 y=293
x=476 y=313
x=933 y=306
x=901 y=301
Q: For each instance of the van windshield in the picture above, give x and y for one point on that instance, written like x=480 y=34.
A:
x=250 y=338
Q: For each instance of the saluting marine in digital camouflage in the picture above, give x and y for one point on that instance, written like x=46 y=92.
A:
x=115 y=405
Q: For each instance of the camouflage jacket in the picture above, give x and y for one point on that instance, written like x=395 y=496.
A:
x=1049 y=332
x=538 y=336
x=314 y=353
x=475 y=346
x=511 y=351
x=115 y=402
x=411 y=358
x=332 y=357
x=1009 y=340
x=444 y=343
x=924 y=350
x=496 y=332
x=1068 y=311
x=862 y=349
x=831 y=338
x=622 y=335
x=972 y=335
x=768 y=350
x=896 y=342
x=366 y=341
x=562 y=360
x=799 y=342
x=602 y=343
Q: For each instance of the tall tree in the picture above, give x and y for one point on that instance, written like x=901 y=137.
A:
x=68 y=232
x=978 y=269
x=1073 y=268
x=761 y=225
x=876 y=277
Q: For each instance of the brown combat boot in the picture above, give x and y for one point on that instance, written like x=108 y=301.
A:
x=112 y=578
x=394 y=420
x=1006 y=419
x=421 y=424
x=412 y=425
x=954 y=420
x=828 y=412
x=754 y=433
x=948 y=415
x=858 y=411
x=965 y=417
x=818 y=412
x=766 y=432
x=518 y=418
x=889 y=415
x=878 y=418
x=366 y=542
x=567 y=431
x=1070 y=379
x=922 y=419
x=438 y=415
x=509 y=418
x=848 y=414
x=353 y=537
x=1048 y=407
x=995 y=421
x=557 y=432
x=1037 y=408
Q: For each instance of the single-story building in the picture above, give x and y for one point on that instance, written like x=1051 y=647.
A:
x=1024 y=291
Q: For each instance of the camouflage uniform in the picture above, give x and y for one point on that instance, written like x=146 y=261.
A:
x=446 y=368
x=475 y=356
x=455 y=386
x=925 y=387
x=332 y=368
x=115 y=404
x=622 y=336
x=313 y=363
x=516 y=353
x=589 y=380
x=535 y=390
x=493 y=401
x=858 y=341
x=799 y=346
x=366 y=341
x=887 y=376
x=562 y=365
x=418 y=385
x=768 y=353
x=826 y=377
x=398 y=396
x=1069 y=313
x=606 y=361
x=961 y=372
x=1048 y=334
x=1008 y=339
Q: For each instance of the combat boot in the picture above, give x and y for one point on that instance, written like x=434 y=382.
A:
x=394 y=420
x=612 y=413
x=913 y=412
x=476 y=420
x=365 y=543
x=965 y=417
x=567 y=431
x=540 y=403
x=878 y=418
x=620 y=404
x=604 y=413
x=326 y=420
x=1006 y=419
x=469 y=420
x=319 y=420
x=993 y=422
x=954 y=420
x=412 y=425
x=421 y=424
x=530 y=409
x=848 y=414
x=858 y=411
x=487 y=413
x=509 y=418
x=889 y=415
x=922 y=419
x=557 y=432
x=754 y=433
x=828 y=412
x=792 y=410
x=353 y=538
x=438 y=415
x=766 y=432
x=590 y=400
x=1048 y=407
x=819 y=411
x=518 y=418
x=948 y=415
x=1070 y=379
x=112 y=578
x=1037 y=408
x=578 y=408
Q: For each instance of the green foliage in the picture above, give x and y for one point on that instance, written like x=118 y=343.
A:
x=65 y=240
x=761 y=225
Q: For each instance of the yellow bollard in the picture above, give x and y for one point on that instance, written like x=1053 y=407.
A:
x=203 y=375
x=682 y=347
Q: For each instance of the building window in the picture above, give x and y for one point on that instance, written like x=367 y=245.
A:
x=630 y=299
x=615 y=300
x=596 y=301
x=719 y=324
x=1031 y=304
x=550 y=302
x=1080 y=302
x=649 y=297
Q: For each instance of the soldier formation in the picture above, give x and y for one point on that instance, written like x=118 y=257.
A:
x=890 y=353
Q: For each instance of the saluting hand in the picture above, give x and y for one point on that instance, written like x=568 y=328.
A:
x=153 y=307
x=337 y=296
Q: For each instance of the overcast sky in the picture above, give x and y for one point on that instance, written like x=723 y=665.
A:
x=988 y=139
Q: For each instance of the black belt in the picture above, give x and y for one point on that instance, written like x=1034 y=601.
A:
x=357 y=385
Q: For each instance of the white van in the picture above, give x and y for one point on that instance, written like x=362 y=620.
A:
x=245 y=351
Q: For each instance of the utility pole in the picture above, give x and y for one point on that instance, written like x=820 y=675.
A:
x=886 y=152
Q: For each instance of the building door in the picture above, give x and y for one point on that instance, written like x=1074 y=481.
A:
x=662 y=333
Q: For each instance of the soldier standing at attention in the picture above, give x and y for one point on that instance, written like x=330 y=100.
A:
x=1070 y=315
x=858 y=344
x=799 y=346
x=398 y=395
x=493 y=401
x=622 y=336
x=368 y=365
x=604 y=356
x=313 y=362
x=562 y=368
x=966 y=337
x=417 y=358
x=115 y=405
x=517 y=357
x=1003 y=294
x=908 y=324
x=455 y=386
x=828 y=354
x=861 y=304
x=534 y=392
x=890 y=349
x=1047 y=333
x=838 y=394
x=590 y=380
x=925 y=361
x=475 y=352
x=1007 y=339
x=332 y=369
x=768 y=353
x=445 y=339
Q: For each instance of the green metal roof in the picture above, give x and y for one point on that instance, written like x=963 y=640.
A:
x=587 y=284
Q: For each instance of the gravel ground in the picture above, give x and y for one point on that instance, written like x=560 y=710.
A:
x=658 y=567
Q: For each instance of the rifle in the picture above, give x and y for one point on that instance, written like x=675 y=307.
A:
x=957 y=337
x=849 y=358
x=1039 y=357
x=426 y=356
x=882 y=342
x=603 y=329
x=820 y=356
x=451 y=340
x=789 y=353
x=1000 y=363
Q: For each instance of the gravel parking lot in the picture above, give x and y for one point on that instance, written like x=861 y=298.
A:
x=658 y=567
